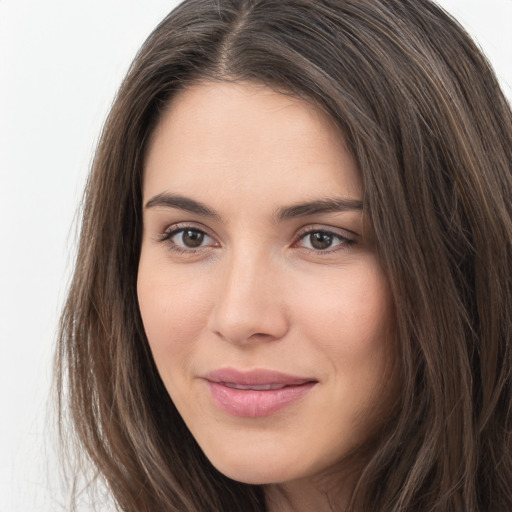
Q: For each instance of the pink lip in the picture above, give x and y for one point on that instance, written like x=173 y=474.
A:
x=257 y=392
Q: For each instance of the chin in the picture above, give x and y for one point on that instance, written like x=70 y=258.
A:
x=247 y=470
x=255 y=477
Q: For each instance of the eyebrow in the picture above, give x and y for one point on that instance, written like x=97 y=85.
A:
x=328 y=205
x=181 y=203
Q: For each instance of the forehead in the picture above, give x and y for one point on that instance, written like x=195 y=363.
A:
x=243 y=137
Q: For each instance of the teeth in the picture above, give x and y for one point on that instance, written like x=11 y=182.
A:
x=263 y=387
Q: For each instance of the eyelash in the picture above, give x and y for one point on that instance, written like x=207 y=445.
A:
x=170 y=233
x=343 y=241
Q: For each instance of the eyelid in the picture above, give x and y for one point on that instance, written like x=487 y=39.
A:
x=314 y=228
x=347 y=238
x=173 y=229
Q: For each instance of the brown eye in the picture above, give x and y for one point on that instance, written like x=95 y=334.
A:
x=188 y=239
x=320 y=240
x=191 y=238
x=326 y=241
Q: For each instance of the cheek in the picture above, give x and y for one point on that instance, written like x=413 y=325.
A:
x=174 y=310
x=350 y=322
x=351 y=314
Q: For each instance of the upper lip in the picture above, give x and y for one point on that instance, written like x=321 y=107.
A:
x=256 y=377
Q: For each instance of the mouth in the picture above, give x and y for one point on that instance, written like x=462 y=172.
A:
x=257 y=392
x=263 y=387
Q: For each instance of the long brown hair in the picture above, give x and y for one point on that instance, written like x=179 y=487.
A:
x=423 y=115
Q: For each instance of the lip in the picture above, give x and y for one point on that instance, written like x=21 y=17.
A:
x=255 y=393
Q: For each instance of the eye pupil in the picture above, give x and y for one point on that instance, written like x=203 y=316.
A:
x=320 y=240
x=192 y=238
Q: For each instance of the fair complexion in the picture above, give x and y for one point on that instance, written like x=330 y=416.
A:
x=268 y=315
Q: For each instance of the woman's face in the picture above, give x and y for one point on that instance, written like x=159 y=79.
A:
x=266 y=309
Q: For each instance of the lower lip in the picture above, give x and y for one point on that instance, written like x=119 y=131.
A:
x=253 y=404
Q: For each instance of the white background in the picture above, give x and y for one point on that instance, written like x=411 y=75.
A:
x=61 y=62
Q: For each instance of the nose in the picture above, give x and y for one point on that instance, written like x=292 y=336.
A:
x=250 y=302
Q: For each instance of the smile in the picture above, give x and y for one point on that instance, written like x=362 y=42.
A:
x=256 y=393
x=263 y=387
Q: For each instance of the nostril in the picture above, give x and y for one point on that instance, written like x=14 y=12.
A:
x=240 y=334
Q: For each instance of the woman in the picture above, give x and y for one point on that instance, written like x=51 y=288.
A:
x=293 y=287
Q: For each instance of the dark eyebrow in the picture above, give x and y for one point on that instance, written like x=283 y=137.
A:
x=328 y=205
x=298 y=210
x=181 y=203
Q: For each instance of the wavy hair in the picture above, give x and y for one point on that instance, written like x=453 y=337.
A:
x=423 y=115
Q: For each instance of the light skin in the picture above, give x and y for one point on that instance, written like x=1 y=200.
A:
x=256 y=254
